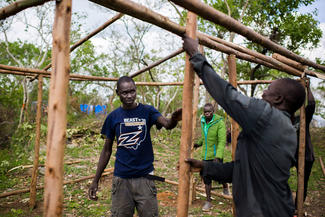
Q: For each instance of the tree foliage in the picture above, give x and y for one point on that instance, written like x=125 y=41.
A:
x=278 y=20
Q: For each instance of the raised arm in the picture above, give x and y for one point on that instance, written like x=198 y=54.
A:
x=243 y=109
x=170 y=123
x=102 y=163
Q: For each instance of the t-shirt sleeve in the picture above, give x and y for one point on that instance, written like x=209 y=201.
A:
x=154 y=115
x=108 y=128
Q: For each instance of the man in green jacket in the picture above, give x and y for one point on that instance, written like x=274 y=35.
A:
x=213 y=142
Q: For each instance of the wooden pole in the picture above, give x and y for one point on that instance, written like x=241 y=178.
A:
x=234 y=125
x=277 y=64
x=157 y=63
x=57 y=121
x=39 y=165
x=143 y=83
x=90 y=35
x=21 y=69
x=186 y=137
x=75 y=77
x=7 y=194
x=233 y=81
x=322 y=165
x=28 y=71
x=301 y=159
x=99 y=29
x=3 y=71
x=298 y=66
x=254 y=82
x=233 y=25
x=289 y=62
x=18 y=6
x=195 y=107
x=32 y=196
x=202 y=190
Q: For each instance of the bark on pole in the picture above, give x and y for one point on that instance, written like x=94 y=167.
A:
x=298 y=66
x=75 y=77
x=186 y=137
x=301 y=160
x=233 y=25
x=195 y=108
x=233 y=81
x=18 y=6
x=289 y=62
x=99 y=29
x=57 y=111
x=157 y=63
x=234 y=125
x=28 y=71
x=32 y=196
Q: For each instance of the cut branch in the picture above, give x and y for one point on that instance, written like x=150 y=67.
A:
x=18 y=6
x=322 y=165
x=99 y=29
x=6 y=194
x=40 y=165
x=157 y=63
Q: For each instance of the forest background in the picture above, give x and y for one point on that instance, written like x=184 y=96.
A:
x=129 y=45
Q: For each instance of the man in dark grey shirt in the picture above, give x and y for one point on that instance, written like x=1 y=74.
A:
x=266 y=146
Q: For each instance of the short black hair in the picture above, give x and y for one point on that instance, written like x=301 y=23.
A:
x=209 y=105
x=122 y=80
x=294 y=94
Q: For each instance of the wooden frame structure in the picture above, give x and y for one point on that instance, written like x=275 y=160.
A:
x=282 y=59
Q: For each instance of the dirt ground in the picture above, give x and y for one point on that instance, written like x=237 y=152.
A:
x=314 y=205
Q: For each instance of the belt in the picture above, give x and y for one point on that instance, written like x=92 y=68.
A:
x=156 y=178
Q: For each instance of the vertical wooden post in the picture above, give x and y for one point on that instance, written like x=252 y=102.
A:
x=234 y=125
x=233 y=81
x=186 y=138
x=32 y=189
x=195 y=106
x=301 y=159
x=57 y=111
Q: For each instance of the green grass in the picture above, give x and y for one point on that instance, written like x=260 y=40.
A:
x=88 y=148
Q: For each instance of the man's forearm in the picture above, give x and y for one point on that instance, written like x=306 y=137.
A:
x=102 y=163
x=221 y=172
x=171 y=123
x=215 y=85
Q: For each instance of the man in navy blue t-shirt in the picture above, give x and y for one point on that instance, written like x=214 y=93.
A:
x=130 y=124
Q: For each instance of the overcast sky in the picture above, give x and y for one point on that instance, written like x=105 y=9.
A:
x=96 y=15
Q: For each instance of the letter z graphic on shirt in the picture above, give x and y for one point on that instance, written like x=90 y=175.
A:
x=132 y=134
